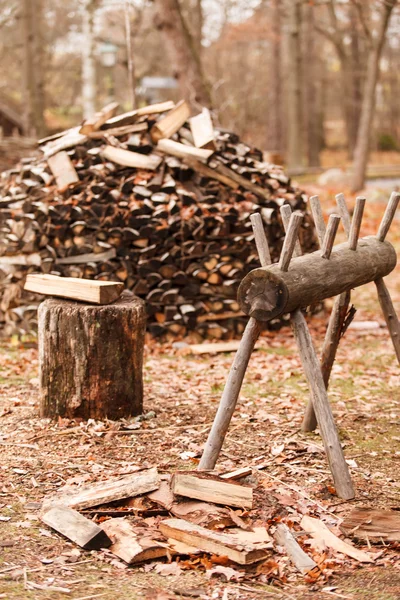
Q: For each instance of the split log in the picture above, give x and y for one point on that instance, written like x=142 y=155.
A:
x=296 y=554
x=76 y=528
x=127 y=158
x=63 y=170
x=233 y=545
x=372 y=524
x=168 y=125
x=212 y=490
x=95 y=122
x=267 y=293
x=107 y=491
x=133 y=544
x=91 y=358
x=85 y=290
x=202 y=130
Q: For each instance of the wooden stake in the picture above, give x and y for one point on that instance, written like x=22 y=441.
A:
x=318 y=218
x=329 y=434
x=385 y=300
x=344 y=213
x=329 y=239
x=290 y=240
x=286 y=213
x=260 y=239
x=230 y=396
x=356 y=223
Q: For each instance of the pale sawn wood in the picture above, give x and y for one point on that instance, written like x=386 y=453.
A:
x=75 y=527
x=74 y=288
x=212 y=490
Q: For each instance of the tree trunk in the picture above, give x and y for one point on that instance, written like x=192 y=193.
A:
x=294 y=86
x=88 y=59
x=91 y=358
x=275 y=141
x=311 y=91
x=185 y=58
x=368 y=105
x=33 y=67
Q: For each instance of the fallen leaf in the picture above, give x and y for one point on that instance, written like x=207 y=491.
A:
x=227 y=572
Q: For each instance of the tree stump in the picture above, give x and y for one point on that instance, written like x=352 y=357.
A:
x=91 y=358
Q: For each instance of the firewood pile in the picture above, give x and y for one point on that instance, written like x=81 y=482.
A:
x=180 y=518
x=153 y=199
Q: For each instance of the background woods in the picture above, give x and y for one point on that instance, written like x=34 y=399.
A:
x=299 y=78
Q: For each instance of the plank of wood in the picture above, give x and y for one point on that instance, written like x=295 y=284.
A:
x=86 y=290
x=320 y=531
x=372 y=524
x=172 y=122
x=131 y=544
x=235 y=547
x=75 y=527
x=202 y=130
x=212 y=490
x=296 y=554
x=216 y=347
x=237 y=474
x=99 y=118
x=63 y=170
x=131 y=116
x=127 y=158
x=103 y=492
x=183 y=151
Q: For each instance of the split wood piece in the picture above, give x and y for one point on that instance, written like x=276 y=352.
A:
x=68 y=140
x=202 y=130
x=260 y=239
x=127 y=158
x=133 y=115
x=296 y=554
x=212 y=490
x=385 y=300
x=206 y=171
x=110 y=490
x=63 y=170
x=75 y=527
x=242 y=181
x=330 y=235
x=182 y=151
x=83 y=259
x=85 y=290
x=163 y=495
x=118 y=131
x=233 y=546
x=320 y=531
x=326 y=423
x=203 y=513
x=172 y=122
x=286 y=213
x=289 y=243
x=356 y=222
x=318 y=219
x=329 y=349
x=95 y=122
x=372 y=524
x=344 y=213
x=22 y=260
x=83 y=377
x=217 y=347
x=132 y=545
x=230 y=396
x=237 y=474
x=268 y=292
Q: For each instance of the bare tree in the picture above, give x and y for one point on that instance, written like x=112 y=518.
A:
x=182 y=49
x=275 y=129
x=376 y=43
x=88 y=58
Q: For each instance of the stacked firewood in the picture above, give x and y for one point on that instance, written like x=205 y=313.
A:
x=153 y=199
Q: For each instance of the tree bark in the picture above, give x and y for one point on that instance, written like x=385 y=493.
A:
x=91 y=358
x=185 y=58
x=294 y=128
x=33 y=67
x=361 y=152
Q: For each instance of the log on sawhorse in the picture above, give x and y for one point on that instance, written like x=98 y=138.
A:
x=274 y=289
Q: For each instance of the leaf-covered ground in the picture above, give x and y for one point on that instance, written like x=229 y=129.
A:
x=181 y=395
